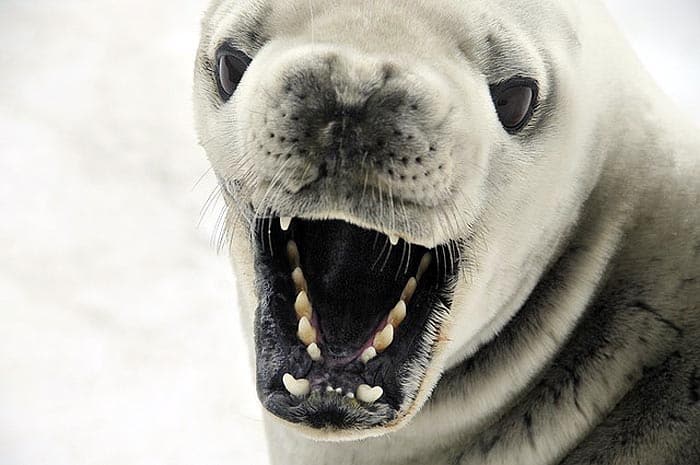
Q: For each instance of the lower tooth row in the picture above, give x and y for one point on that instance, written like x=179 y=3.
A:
x=302 y=305
x=306 y=332
x=314 y=352
x=368 y=394
x=296 y=387
x=293 y=254
x=369 y=353
x=302 y=387
x=384 y=338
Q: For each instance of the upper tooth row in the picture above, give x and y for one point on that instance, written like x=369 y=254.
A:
x=286 y=221
x=302 y=387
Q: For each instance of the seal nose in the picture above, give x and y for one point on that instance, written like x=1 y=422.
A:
x=356 y=120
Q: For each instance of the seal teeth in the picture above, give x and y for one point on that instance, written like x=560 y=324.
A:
x=302 y=306
x=293 y=254
x=296 y=387
x=309 y=335
x=424 y=264
x=397 y=314
x=368 y=394
x=409 y=290
x=306 y=332
x=384 y=338
x=368 y=354
x=285 y=222
x=299 y=280
x=314 y=352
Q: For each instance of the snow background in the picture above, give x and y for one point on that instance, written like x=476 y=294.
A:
x=119 y=337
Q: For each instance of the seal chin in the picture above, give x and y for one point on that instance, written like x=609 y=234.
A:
x=347 y=322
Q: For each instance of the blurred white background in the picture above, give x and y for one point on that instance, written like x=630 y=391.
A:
x=119 y=337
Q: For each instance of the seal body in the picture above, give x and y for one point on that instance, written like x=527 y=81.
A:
x=567 y=327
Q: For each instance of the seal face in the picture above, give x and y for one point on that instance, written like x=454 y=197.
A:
x=357 y=166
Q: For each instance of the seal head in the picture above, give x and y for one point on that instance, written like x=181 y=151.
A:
x=365 y=151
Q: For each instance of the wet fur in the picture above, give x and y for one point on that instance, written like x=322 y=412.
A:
x=574 y=336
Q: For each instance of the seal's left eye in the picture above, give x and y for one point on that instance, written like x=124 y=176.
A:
x=231 y=64
x=515 y=102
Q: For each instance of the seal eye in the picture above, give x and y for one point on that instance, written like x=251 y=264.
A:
x=515 y=102
x=231 y=64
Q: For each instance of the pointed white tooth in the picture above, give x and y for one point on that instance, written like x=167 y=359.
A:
x=302 y=306
x=384 y=338
x=394 y=239
x=350 y=395
x=368 y=394
x=296 y=387
x=299 y=280
x=293 y=254
x=285 y=221
x=306 y=332
x=397 y=314
x=424 y=264
x=368 y=354
x=409 y=290
x=339 y=391
x=329 y=388
x=314 y=352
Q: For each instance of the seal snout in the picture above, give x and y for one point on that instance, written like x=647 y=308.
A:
x=356 y=119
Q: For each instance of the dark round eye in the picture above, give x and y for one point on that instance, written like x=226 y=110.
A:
x=231 y=64
x=515 y=101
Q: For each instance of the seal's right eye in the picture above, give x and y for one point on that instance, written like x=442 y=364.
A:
x=231 y=64
x=515 y=101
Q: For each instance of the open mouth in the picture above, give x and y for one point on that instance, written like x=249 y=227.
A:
x=348 y=321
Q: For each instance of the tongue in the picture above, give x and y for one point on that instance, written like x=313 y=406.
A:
x=354 y=276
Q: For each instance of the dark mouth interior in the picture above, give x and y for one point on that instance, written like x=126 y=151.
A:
x=343 y=367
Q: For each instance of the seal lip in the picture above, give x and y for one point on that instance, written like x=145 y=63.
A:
x=329 y=397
